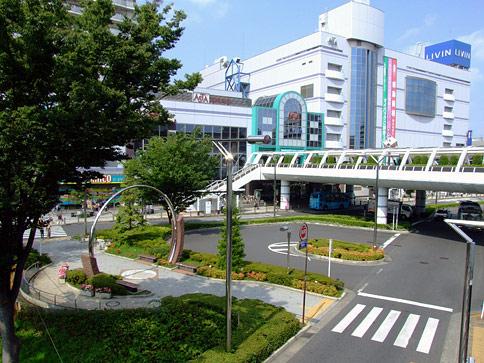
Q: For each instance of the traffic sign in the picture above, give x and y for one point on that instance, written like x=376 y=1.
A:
x=303 y=232
x=303 y=243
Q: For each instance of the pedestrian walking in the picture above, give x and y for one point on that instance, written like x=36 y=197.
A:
x=41 y=225
x=49 y=226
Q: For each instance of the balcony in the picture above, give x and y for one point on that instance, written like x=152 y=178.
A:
x=333 y=121
x=449 y=97
x=335 y=75
x=447 y=133
x=448 y=115
x=334 y=97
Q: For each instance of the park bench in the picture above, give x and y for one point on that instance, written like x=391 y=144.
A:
x=128 y=285
x=147 y=258
x=185 y=267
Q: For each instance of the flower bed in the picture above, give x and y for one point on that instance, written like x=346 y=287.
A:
x=103 y=292
x=87 y=290
x=345 y=250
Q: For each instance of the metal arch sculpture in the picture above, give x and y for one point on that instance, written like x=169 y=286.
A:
x=170 y=207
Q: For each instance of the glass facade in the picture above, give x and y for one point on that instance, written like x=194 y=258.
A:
x=292 y=119
x=238 y=149
x=266 y=123
x=362 y=128
x=420 y=96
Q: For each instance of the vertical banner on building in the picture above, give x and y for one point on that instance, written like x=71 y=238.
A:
x=389 y=106
x=469 y=138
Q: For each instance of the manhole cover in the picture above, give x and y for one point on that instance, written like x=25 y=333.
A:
x=138 y=274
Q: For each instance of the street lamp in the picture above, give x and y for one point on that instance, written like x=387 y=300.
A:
x=229 y=160
x=468 y=277
x=275 y=185
x=286 y=229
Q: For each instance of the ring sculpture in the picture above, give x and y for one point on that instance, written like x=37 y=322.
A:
x=170 y=207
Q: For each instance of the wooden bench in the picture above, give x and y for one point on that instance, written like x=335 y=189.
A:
x=128 y=285
x=147 y=258
x=188 y=268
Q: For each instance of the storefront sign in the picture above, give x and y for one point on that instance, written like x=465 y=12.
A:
x=106 y=179
x=389 y=109
x=200 y=97
x=452 y=52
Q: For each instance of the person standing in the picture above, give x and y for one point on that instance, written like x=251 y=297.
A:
x=40 y=225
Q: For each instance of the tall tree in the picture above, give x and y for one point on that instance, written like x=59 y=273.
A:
x=70 y=90
x=179 y=165
x=238 y=253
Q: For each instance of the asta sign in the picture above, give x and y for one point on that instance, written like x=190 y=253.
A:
x=200 y=97
x=452 y=52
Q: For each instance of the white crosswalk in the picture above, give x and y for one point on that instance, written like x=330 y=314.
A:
x=56 y=231
x=393 y=320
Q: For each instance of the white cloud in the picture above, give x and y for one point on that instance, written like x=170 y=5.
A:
x=202 y=2
x=476 y=40
x=476 y=75
x=428 y=22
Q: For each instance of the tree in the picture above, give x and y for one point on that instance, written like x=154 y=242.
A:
x=129 y=215
x=238 y=253
x=179 y=165
x=70 y=91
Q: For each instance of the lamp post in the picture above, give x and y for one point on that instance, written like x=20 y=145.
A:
x=468 y=280
x=229 y=160
x=275 y=188
x=286 y=229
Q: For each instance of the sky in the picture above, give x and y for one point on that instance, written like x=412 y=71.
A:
x=245 y=28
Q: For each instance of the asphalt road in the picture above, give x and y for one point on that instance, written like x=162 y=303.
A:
x=404 y=310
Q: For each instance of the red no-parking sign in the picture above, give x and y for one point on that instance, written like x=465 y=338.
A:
x=303 y=232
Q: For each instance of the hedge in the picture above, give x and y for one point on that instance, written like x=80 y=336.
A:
x=345 y=250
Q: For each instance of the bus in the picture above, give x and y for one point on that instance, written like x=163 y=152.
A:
x=329 y=200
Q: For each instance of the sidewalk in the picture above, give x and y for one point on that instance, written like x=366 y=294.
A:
x=476 y=338
x=165 y=282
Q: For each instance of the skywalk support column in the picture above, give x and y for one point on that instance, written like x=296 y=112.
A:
x=420 y=199
x=382 y=206
x=285 y=195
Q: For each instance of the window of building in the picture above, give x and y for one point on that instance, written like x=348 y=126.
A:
x=459 y=145
x=420 y=96
x=333 y=113
x=335 y=67
x=446 y=144
x=315 y=130
x=334 y=90
x=333 y=137
x=449 y=91
x=292 y=119
x=307 y=91
x=448 y=109
x=447 y=127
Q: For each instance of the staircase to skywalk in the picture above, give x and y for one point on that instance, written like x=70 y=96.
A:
x=240 y=178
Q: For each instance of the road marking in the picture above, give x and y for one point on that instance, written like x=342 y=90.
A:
x=407 y=331
x=367 y=322
x=390 y=240
x=379 y=271
x=363 y=287
x=343 y=324
x=403 y=301
x=281 y=248
x=386 y=326
x=427 y=336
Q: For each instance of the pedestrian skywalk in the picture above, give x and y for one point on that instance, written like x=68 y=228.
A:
x=402 y=322
x=56 y=231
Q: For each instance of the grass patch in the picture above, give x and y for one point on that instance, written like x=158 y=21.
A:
x=345 y=250
x=187 y=328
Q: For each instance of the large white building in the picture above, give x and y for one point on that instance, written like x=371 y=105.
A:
x=365 y=92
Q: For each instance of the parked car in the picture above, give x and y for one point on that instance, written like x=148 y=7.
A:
x=470 y=212
x=442 y=214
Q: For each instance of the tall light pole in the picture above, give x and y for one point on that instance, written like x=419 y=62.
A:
x=468 y=281
x=375 y=227
x=286 y=229
x=229 y=160
x=275 y=188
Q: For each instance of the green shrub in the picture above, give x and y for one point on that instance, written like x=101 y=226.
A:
x=213 y=272
x=444 y=160
x=280 y=278
x=476 y=160
x=34 y=256
x=76 y=277
x=107 y=280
